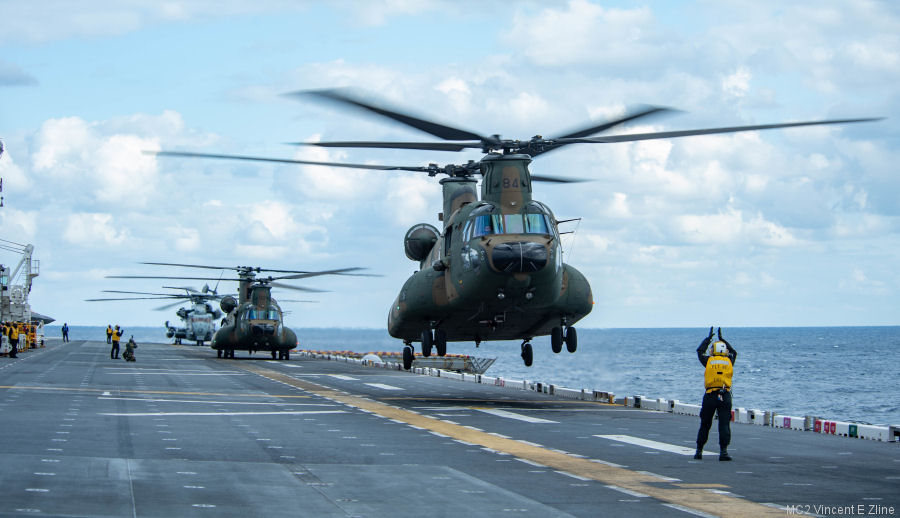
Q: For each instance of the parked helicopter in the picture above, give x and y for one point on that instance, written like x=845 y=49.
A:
x=199 y=318
x=255 y=321
x=495 y=271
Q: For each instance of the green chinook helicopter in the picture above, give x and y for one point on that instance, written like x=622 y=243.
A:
x=255 y=321
x=495 y=270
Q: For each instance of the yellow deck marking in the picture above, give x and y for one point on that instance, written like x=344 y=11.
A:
x=694 y=498
x=703 y=486
x=497 y=400
x=82 y=389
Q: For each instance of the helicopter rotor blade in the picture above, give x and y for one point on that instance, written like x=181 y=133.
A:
x=710 y=131
x=142 y=293
x=167 y=306
x=172 y=277
x=642 y=112
x=296 y=288
x=137 y=298
x=433 y=128
x=340 y=271
x=429 y=146
x=556 y=179
x=283 y=161
x=185 y=288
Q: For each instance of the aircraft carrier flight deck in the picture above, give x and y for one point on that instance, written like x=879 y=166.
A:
x=182 y=433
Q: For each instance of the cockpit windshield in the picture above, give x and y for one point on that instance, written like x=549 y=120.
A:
x=262 y=314
x=489 y=224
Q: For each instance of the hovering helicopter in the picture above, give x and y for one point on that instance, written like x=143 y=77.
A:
x=255 y=321
x=495 y=271
x=198 y=319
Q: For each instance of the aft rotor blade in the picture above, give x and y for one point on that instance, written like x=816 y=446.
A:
x=341 y=271
x=191 y=266
x=710 y=131
x=297 y=288
x=142 y=293
x=430 y=146
x=164 y=277
x=556 y=179
x=285 y=161
x=433 y=128
x=186 y=288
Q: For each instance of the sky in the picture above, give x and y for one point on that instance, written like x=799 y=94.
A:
x=795 y=227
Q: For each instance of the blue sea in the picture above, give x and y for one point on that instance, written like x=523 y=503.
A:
x=841 y=373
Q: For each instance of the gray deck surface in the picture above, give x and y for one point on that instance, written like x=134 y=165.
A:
x=181 y=433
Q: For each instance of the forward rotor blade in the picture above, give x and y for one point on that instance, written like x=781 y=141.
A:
x=430 y=127
x=556 y=179
x=191 y=266
x=430 y=146
x=284 y=161
x=186 y=288
x=710 y=131
x=142 y=293
x=297 y=288
x=597 y=128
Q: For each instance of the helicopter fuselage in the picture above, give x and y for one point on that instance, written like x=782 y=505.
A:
x=255 y=325
x=496 y=272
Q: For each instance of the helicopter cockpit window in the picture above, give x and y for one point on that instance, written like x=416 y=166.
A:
x=487 y=225
x=536 y=224
x=252 y=314
x=273 y=314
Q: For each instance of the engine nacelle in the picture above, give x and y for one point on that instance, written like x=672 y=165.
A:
x=419 y=240
x=227 y=304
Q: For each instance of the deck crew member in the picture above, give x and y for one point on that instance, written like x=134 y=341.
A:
x=129 y=350
x=13 y=339
x=116 y=337
x=109 y=332
x=718 y=360
x=65 y=332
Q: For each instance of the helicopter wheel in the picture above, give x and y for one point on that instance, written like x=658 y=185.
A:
x=407 y=357
x=274 y=354
x=440 y=342
x=219 y=353
x=556 y=339
x=571 y=339
x=199 y=343
x=287 y=355
x=527 y=354
x=427 y=341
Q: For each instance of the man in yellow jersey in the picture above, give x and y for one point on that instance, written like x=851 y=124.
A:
x=718 y=359
x=116 y=337
x=13 y=339
x=109 y=333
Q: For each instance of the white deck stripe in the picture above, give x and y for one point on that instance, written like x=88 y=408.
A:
x=656 y=445
x=691 y=511
x=290 y=412
x=342 y=377
x=383 y=386
x=627 y=491
x=215 y=402
x=513 y=415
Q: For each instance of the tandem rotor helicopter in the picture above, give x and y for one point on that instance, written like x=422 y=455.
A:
x=255 y=321
x=199 y=319
x=495 y=270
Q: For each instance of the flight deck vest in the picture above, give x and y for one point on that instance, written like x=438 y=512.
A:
x=13 y=333
x=718 y=373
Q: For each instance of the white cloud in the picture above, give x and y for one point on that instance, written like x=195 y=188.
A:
x=737 y=84
x=94 y=230
x=732 y=227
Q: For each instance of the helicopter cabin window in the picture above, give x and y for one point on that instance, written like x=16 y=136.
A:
x=252 y=314
x=487 y=225
x=273 y=314
x=536 y=224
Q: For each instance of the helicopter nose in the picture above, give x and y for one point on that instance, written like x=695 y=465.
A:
x=519 y=257
x=262 y=329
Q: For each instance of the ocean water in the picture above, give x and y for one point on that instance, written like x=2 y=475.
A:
x=842 y=373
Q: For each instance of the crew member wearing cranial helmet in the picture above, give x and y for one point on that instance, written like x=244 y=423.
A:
x=718 y=359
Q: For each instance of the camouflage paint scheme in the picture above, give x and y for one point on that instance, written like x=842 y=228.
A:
x=456 y=288
x=254 y=324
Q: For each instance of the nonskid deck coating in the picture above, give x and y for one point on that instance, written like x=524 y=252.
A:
x=161 y=436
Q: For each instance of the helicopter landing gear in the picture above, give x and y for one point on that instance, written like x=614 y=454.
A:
x=274 y=353
x=427 y=341
x=287 y=355
x=199 y=343
x=556 y=339
x=225 y=353
x=178 y=341
x=219 y=353
x=571 y=339
x=527 y=353
x=408 y=355
x=440 y=342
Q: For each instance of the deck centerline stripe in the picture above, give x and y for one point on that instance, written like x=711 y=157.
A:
x=656 y=445
x=696 y=499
